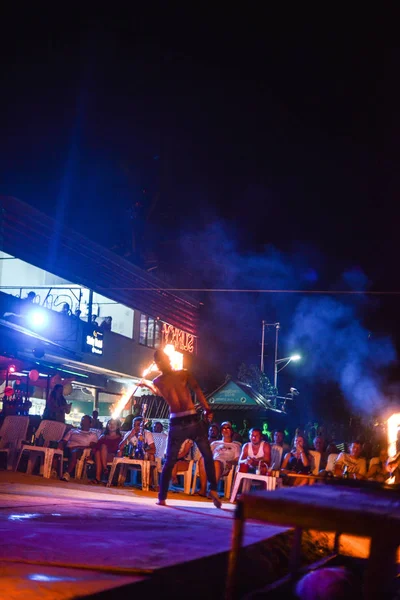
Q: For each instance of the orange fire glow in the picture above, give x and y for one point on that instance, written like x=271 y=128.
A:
x=393 y=424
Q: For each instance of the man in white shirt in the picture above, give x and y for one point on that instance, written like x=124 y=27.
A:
x=132 y=437
x=75 y=441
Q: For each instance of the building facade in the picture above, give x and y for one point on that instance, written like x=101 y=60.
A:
x=74 y=311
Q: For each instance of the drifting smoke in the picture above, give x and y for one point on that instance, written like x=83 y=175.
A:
x=338 y=348
x=327 y=332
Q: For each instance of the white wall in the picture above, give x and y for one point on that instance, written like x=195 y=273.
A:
x=16 y=273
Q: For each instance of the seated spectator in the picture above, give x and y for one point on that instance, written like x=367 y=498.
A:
x=127 y=424
x=65 y=310
x=106 y=448
x=27 y=303
x=105 y=325
x=226 y=453
x=318 y=444
x=352 y=463
x=380 y=471
x=213 y=433
x=298 y=460
x=75 y=441
x=96 y=424
x=157 y=427
x=332 y=448
x=184 y=457
x=255 y=453
x=299 y=431
x=132 y=437
x=279 y=440
x=367 y=450
x=236 y=435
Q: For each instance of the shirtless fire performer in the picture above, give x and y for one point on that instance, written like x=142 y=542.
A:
x=185 y=423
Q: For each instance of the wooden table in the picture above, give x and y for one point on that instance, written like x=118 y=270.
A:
x=374 y=514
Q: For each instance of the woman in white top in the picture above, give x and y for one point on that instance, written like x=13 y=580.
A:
x=225 y=453
x=253 y=452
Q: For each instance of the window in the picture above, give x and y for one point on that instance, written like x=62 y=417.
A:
x=150 y=331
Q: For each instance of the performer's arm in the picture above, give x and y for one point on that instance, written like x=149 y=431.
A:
x=267 y=453
x=150 y=385
x=286 y=461
x=197 y=390
x=244 y=456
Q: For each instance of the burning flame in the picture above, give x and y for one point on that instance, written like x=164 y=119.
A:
x=150 y=369
x=122 y=401
x=393 y=424
x=176 y=359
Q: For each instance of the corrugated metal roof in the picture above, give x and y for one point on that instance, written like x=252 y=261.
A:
x=38 y=239
x=257 y=401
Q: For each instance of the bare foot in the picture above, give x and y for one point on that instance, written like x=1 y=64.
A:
x=161 y=503
x=215 y=498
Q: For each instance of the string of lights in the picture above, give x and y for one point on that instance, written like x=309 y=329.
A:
x=259 y=291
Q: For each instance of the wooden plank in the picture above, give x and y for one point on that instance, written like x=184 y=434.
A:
x=327 y=508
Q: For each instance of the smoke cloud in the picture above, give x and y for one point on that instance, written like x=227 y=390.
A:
x=326 y=330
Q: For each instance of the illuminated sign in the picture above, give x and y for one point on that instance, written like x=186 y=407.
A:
x=179 y=339
x=94 y=343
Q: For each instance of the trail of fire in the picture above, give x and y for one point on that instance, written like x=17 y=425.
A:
x=130 y=392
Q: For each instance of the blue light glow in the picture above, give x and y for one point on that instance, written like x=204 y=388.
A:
x=37 y=319
x=48 y=578
x=23 y=516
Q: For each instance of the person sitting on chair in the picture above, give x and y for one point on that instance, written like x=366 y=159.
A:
x=226 y=453
x=297 y=461
x=106 y=448
x=255 y=452
x=132 y=438
x=75 y=441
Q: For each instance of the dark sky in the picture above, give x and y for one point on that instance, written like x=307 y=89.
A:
x=285 y=126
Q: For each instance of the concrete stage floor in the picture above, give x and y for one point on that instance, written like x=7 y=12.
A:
x=70 y=540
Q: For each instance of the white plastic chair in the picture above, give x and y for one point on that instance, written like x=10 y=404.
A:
x=227 y=480
x=160 y=441
x=276 y=456
x=52 y=431
x=330 y=463
x=12 y=433
x=187 y=476
x=315 y=461
x=246 y=480
x=129 y=463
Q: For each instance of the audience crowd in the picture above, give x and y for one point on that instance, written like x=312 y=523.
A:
x=313 y=449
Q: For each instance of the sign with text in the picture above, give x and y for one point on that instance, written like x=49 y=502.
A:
x=94 y=342
x=178 y=338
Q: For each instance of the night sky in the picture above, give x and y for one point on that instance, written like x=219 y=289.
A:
x=241 y=149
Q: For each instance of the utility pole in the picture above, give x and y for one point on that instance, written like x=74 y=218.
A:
x=277 y=326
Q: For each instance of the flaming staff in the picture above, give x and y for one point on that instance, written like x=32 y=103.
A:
x=131 y=392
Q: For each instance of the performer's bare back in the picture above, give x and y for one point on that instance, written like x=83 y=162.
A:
x=174 y=387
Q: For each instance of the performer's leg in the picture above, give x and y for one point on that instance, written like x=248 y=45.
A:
x=204 y=447
x=175 y=440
